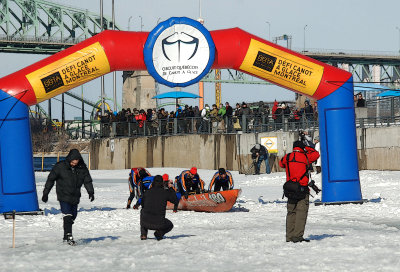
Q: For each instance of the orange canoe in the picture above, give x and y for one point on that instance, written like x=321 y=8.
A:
x=221 y=201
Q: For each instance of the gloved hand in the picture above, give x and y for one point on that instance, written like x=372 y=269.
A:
x=45 y=198
x=91 y=197
x=174 y=211
x=186 y=195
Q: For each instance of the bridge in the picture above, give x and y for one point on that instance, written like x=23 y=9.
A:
x=382 y=67
x=44 y=27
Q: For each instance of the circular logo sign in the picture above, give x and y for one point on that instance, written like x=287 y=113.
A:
x=179 y=52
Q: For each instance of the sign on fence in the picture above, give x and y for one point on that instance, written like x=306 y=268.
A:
x=271 y=143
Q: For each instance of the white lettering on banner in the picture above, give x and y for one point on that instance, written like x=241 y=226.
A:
x=180 y=53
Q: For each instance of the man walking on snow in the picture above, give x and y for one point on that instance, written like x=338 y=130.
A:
x=69 y=176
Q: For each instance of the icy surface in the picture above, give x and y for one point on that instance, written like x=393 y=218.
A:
x=251 y=237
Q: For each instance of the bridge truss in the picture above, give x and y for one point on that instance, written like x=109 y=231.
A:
x=383 y=68
x=44 y=27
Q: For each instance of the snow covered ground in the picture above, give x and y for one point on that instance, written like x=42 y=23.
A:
x=251 y=237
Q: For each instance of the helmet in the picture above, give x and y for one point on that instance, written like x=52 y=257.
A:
x=193 y=170
x=142 y=173
x=165 y=177
x=298 y=144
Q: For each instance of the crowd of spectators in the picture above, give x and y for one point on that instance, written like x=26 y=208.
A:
x=217 y=118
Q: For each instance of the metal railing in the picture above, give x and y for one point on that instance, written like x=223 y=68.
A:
x=40 y=40
x=212 y=125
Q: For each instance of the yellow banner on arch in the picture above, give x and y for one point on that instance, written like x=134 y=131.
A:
x=69 y=72
x=285 y=69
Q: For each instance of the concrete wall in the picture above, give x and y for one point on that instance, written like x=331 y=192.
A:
x=203 y=151
x=378 y=148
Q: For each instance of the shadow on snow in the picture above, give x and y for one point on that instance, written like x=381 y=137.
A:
x=323 y=236
x=58 y=211
x=97 y=239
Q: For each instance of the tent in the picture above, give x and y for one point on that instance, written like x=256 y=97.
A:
x=177 y=95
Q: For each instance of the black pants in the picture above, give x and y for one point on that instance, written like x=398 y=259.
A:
x=161 y=230
x=69 y=212
x=131 y=197
x=219 y=185
x=190 y=188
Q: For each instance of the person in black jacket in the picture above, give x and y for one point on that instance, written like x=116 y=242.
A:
x=69 y=176
x=259 y=153
x=154 y=204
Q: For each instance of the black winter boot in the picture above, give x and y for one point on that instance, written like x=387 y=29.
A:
x=68 y=221
x=69 y=239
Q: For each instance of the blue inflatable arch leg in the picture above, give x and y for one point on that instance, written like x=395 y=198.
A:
x=338 y=140
x=17 y=178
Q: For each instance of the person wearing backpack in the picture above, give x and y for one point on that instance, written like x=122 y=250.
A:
x=297 y=164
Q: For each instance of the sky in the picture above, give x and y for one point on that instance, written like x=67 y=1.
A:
x=340 y=25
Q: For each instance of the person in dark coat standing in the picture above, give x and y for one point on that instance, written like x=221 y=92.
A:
x=69 y=176
x=154 y=204
x=297 y=165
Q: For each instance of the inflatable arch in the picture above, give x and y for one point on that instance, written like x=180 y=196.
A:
x=122 y=50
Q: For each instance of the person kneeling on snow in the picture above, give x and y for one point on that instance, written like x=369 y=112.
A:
x=223 y=179
x=154 y=204
x=69 y=176
x=135 y=176
x=189 y=182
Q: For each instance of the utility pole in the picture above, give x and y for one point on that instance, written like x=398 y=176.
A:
x=129 y=23
x=217 y=87
x=141 y=23
x=114 y=73
x=102 y=78
x=304 y=49
x=399 y=37
x=269 y=30
x=83 y=115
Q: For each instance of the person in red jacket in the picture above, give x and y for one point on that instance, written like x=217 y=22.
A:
x=297 y=164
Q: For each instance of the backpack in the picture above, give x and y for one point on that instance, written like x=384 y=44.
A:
x=292 y=189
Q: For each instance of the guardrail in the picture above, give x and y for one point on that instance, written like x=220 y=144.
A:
x=40 y=40
x=212 y=125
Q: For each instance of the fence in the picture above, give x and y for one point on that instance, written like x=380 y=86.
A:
x=175 y=126
x=377 y=113
x=46 y=161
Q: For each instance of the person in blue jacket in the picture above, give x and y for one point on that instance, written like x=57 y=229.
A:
x=135 y=176
x=144 y=185
x=189 y=181
x=221 y=179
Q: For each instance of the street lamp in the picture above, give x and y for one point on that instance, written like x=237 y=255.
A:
x=269 y=30
x=304 y=49
x=399 y=37
x=141 y=23
x=129 y=23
